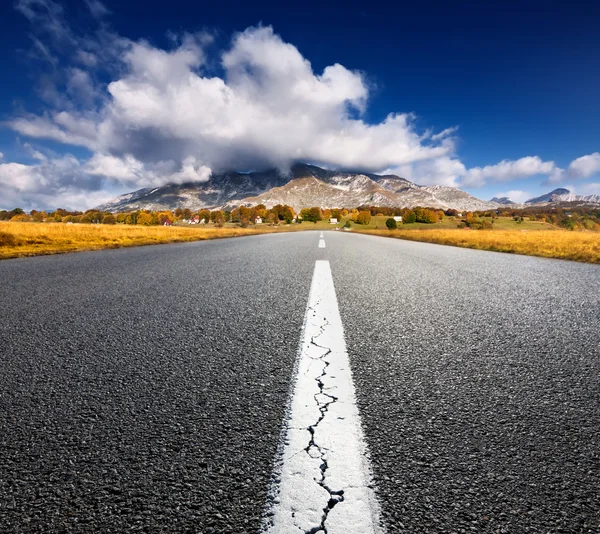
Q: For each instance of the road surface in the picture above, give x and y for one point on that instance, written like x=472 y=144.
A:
x=152 y=389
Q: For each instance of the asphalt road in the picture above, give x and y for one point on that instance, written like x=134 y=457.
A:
x=144 y=389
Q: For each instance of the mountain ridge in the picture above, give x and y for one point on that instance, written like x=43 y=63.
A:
x=308 y=185
x=305 y=186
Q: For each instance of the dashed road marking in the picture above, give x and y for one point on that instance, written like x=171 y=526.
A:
x=322 y=481
x=321 y=243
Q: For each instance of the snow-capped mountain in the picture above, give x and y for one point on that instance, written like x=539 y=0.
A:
x=505 y=201
x=563 y=195
x=304 y=186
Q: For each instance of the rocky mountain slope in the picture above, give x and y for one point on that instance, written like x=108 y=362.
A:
x=305 y=186
x=505 y=201
x=561 y=195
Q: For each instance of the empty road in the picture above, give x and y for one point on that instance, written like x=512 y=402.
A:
x=159 y=389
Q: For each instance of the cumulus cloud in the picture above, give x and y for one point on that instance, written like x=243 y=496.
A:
x=580 y=168
x=508 y=170
x=50 y=184
x=128 y=171
x=268 y=109
x=151 y=116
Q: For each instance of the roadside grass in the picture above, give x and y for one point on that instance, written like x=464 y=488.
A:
x=450 y=223
x=18 y=239
x=563 y=244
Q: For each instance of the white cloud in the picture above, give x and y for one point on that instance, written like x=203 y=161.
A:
x=444 y=133
x=50 y=184
x=590 y=188
x=585 y=166
x=269 y=109
x=580 y=168
x=131 y=172
x=508 y=170
x=161 y=115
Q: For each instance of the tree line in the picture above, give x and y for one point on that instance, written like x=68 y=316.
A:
x=575 y=218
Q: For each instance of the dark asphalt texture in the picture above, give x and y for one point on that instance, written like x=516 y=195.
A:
x=478 y=379
x=144 y=389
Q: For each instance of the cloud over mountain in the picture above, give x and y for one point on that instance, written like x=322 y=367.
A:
x=150 y=115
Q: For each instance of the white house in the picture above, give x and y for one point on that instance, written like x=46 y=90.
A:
x=398 y=218
x=333 y=220
x=258 y=220
x=203 y=221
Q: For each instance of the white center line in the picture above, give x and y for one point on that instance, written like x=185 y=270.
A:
x=323 y=482
x=321 y=243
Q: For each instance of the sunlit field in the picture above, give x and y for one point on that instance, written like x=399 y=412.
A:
x=31 y=239
x=564 y=244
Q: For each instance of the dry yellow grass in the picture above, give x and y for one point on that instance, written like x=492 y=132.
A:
x=563 y=244
x=32 y=239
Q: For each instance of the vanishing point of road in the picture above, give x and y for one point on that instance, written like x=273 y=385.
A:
x=293 y=383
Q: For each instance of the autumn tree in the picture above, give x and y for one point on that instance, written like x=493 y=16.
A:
x=216 y=215
x=109 y=218
x=204 y=214
x=165 y=216
x=147 y=219
x=363 y=217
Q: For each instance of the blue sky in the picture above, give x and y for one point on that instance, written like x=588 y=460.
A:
x=100 y=98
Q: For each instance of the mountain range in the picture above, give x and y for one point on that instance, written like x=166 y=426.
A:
x=308 y=185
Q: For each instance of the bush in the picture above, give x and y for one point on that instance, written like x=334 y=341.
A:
x=391 y=224
x=348 y=224
x=8 y=240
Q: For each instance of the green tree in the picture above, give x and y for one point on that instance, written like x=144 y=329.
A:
x=409 y=217
x=391 y=223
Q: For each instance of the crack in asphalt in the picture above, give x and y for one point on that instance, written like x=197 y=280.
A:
x=313 y=449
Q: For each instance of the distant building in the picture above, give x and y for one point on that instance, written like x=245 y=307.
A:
x=168 y=223
x=258 y=220
x=397 y=218
x=203 y=221
x=333 y=220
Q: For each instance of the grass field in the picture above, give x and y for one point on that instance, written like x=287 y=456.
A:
x=563 y=244
x=447 y=223
x=19 y=239
x=533 y=238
